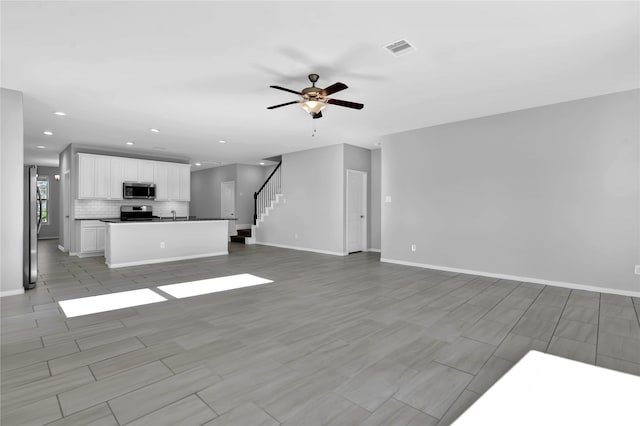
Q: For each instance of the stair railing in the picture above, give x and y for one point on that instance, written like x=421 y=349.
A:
x=267 y=192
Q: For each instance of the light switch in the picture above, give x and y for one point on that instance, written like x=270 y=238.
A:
x=387 y=198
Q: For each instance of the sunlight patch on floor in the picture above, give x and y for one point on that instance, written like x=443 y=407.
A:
x=213 y=285
x=109 y=302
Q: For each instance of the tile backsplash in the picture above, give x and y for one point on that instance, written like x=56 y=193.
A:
x=98 y=209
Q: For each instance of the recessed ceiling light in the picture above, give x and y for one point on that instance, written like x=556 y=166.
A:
x=60 y=113
x=262 y=163
x=129 y=143
x=222 y=141
x=48 y=133
x=198 y=164
x=40 y=146
x=155 y=130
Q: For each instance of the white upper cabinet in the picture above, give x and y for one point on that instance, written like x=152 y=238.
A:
x=100 y=177
x=185 y=182
x=173 y=181
x=86 y=176
x=94 y=174
x=130 y=170
x=161 y=180
x=117 y=173
x=146 y=171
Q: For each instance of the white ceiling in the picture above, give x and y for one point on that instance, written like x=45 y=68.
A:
x=200 y=71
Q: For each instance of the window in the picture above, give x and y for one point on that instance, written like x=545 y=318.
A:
x=43 y=187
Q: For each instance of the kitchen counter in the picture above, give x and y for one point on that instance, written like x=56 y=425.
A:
x=156 y=219
x=163 y=219
x=130 y=243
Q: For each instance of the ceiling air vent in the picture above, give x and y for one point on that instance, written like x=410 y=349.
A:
x=400 y=47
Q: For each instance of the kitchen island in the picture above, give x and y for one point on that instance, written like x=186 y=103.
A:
x=130 y=243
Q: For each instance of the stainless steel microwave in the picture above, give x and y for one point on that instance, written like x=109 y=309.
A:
x=138 y=190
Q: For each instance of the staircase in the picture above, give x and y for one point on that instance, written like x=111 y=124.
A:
x=264 y=200
x=242 y=237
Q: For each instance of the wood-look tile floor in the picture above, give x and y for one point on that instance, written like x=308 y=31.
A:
x=334 y=340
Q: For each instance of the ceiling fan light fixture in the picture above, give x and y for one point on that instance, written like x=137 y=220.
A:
x=313 y=106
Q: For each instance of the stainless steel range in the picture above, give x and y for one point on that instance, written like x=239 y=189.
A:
x=137 y=213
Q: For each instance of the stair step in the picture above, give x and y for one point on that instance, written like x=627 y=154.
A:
x=244 y=232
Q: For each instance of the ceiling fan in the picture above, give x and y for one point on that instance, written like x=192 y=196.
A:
x=314 y=99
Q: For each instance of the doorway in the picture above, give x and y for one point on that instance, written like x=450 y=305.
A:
x=228 y=204
x=356 y=211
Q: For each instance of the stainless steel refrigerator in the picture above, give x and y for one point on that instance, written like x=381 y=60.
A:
x=32 y=222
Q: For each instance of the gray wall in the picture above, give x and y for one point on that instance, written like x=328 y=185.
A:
x=311 y=215
x=51 y=229
x=549 y=193
x=205 y=190
x=11 y=192
x=374 y=212
x=356 y=158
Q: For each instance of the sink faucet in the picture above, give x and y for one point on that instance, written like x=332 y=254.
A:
x=173 y=212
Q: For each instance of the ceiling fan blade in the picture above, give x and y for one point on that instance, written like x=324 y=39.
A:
x=345 y=103
x=335 y=87
x=316 y=115
x=286 y=90
x=284 y=104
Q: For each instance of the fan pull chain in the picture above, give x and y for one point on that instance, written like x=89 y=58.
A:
x=313 y=128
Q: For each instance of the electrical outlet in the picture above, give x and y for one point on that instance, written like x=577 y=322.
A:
x=413 y=247
x=162 y=244
x=638 y=269
x=295 y=236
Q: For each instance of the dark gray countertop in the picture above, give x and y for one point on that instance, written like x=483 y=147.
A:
x=165 y=219
x=157 y=219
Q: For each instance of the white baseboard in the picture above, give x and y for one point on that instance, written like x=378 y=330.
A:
x=92 y=254
x=12 y=292
x=167 y=259
x=375 y=250
x=73 y=253
x=573 y=286
x=333 y=253
x=243 y=226
x=49 y=238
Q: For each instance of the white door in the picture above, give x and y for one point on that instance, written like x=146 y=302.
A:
x=356 y=211
x=228 y=199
